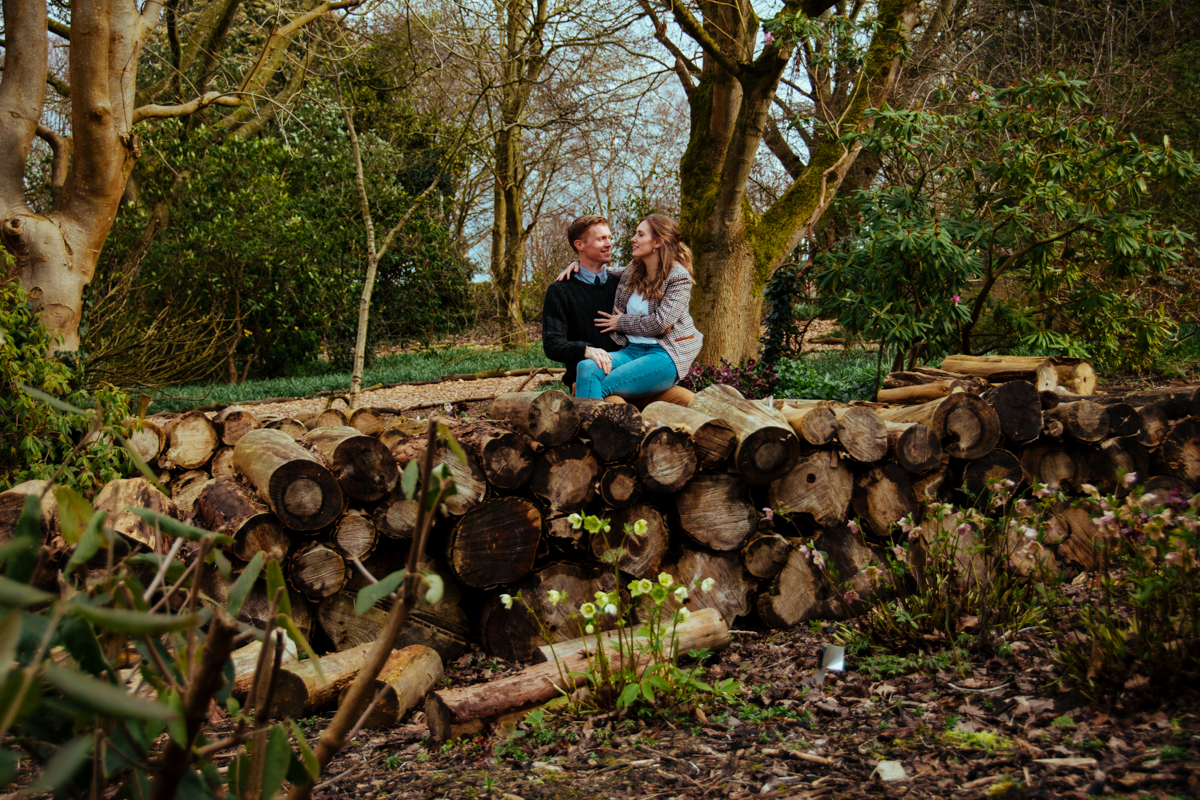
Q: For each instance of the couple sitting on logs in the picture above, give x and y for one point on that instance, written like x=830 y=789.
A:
x=624 y=333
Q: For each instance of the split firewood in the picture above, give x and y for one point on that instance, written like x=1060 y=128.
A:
x=914 y=446
x=118 y=496
x=713 y=438
x=193 y=441
x=820 y=485
x=364 y=468
x=233 y=509
x=1018 y=408
x=302 y=492
x=966 y=425
x=234 y=423
x=715 y=510
x=548 y=417
x=767 y=446
x=666 y=459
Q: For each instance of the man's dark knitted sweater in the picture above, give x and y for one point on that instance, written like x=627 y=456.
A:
x=569 y=320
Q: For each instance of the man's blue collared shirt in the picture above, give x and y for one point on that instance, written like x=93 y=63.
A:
x=587 y=276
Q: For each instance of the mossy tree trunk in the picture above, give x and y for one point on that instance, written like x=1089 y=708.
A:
x=730 y=95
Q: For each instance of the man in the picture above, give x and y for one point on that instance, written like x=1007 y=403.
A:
x=569 y=312
x=569 y=332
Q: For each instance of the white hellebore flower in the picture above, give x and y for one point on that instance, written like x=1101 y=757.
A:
x=681 y=594
x=590 y=629
x=588 y=610
x=611 y=610
x=644 y=586
x=555 y=596
x=665 y=579
x=707 y=585
x=683 y=615
x=640 y=528
x=506 y=599
x=575 y=521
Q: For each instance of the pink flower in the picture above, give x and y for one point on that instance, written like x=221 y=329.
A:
x=1130 y=478
x=901 y=554
x=804 y=551
x=768 y=513
x=768 y=38
x=818 y=559
x=973 y=96
x=850 y=595
x=853 y=526
x=956 y=299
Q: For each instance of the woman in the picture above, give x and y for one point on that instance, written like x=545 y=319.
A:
x=650 y=319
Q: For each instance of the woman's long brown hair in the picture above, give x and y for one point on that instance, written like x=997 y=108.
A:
x=673 y=251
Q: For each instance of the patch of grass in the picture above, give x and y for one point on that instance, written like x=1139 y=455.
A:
x=977 y=740
x=887 y=665
x=843 y=375
x=426 y=365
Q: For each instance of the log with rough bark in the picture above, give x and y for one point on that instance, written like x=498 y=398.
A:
x=815 y=424
x=329 y=418
x=1180 y=451
x=1153 y=425
x=470 y=483
x=513 y=633
x=767 y=446
x=193 y=442
x=118 y=496
x=883 y=496
x=764 y=556
x=733 y=588
x=186 y=488
x=146 y=439
x=1123 y=420
x=234 y=423
x=924 y=392
x=12 y=503
x=1176 y=402
x=302 y=492
x=366 y=421
x=317 y=570
x=364 y=468
x=620 y=487
x=232 y=508
x=614 y=429
x=703 y=630
x=715 y=510
x=793 y=595
x=289 y=425
x=410 y=674
x=934 y=486
x=1114 y=459
x=1057 y=466
x=355 y=535
x=820 y=485
x=1079 y=535
x=965 y=424
x=666 y=459
x=222 y=465
x=495 y=543
x=449 y=708
x=1073 y=374
x=300 y=690
x=505 y=456
x=565 y=476
x=643 y=554
x=713 y=438
x=848 y=555
x=548 y=417
x=1018 y=408
x=1083 y=421
x=914 y=446
x=996 y=467
x=396 y=516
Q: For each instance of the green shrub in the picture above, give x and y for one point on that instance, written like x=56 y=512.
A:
x=37 y=440
x=843 y=375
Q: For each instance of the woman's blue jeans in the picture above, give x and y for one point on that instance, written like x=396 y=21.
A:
x=638 y=370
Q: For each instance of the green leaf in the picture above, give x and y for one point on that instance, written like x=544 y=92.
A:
x=311 y=765
x=81 y=642
x=277 y=757
x=289 y=625
x=177 y=728
x=193 y=787
x=648 y=691
x=452 y=443
x=10 y=637
x=173 y=527
x=370 y=595
x=16 y=593
x=63 y=765
x=10 y=695
x=135 y=623
x=223 y=565
x=141 y=465
x=90 y=543
x=245 y=582
x=103 y=697
x=408 y=481
x=53 y=402
x=73 y=513
x=628 y=695
x=275 y=582
x=436 y=587
x=235 y=778
x=8 y=767
x=22 y=558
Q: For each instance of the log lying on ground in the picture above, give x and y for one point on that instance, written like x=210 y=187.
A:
x=614 y=429
x=765 y=556
x=531 y=686
x=565 y=476
x=1018 y=408
x=505 y=456
x=791 y=596
x=245 y=663
x=716 y=511
x=409 y=675
x=329 y=418
x=316 y=570
x=643 y=554
x=366 y=421
x=883 y=496
x=713 y=438
x=815 y=423
x=548 y=417
x=965 y=424
x=924 y=392
x=819 y=485
x=767 y=446
x=1176 y=402
x=193 y=442
x=12 y=503
x=914 y=446
x=364 y=468
x=620 y=487
x=234 y=423
x=289 y=425
x=1083 y=421
x=1073 y=374
x=186 y=488
x=733 y=588
x=1154 y=425
x=703 y=630
x=495 y=543
x=355 y=535
x=1059 y=467
x=233 y=509
x=118 y=496
x=994 y=468
x=302 y=492
x=1180 y=451
x=666 y=459
x=146 y=439
x=512 y=633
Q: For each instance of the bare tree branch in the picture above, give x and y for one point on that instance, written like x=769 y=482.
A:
x=60 y=148
x=774 y=140
x=695 y=29
x=153 y=111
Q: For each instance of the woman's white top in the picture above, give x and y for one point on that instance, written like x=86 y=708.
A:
x=639 y=305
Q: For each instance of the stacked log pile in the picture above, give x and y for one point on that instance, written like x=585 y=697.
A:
x=730 y=488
